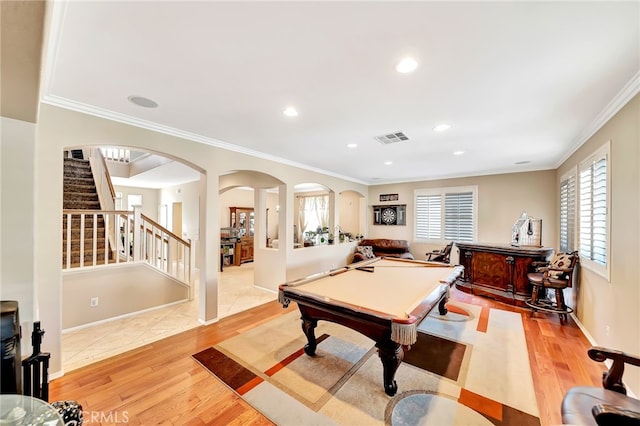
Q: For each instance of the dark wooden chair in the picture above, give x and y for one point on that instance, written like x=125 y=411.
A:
x=553 y=276
x=442 y=255
x=609 y=405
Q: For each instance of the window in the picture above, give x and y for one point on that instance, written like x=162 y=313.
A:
x=568 y=212
x=593 y=211
x=313 y=213
x=446 y=214
x=133 y=200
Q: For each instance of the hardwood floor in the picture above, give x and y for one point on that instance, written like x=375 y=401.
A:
x=160 y=383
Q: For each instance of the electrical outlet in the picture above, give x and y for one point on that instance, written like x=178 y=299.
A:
x=94 y=302
x=607 y=330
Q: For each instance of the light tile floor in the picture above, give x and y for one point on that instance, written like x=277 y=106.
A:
x=236 y=293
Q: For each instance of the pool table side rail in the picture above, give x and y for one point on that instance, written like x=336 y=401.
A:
x=319 y=275
x=417 y=314
x=403 y=330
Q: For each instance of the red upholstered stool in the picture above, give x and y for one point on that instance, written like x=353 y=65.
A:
x=554 y=277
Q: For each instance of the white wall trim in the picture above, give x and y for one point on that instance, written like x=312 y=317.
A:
x=130 y=314
x=593 y=342
x=69 y=104
x=627 y=92
x=584 y=330
x=211 y=321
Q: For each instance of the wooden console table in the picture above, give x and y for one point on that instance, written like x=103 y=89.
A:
x=499 y=271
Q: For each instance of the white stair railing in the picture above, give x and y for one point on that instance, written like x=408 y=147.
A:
x=90 y=237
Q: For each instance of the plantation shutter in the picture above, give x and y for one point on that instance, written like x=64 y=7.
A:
x=429 y=217
x=458 y=216
x=593 y=211
x=567 y=214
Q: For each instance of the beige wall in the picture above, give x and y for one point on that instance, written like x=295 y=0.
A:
x=349 y=212
x=150 y=199
x=501 y=200
x=189 y=195
x=17 y=174
x=120 y=291
x=613 y=306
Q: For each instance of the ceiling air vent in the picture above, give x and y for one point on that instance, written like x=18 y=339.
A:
x=392 y=138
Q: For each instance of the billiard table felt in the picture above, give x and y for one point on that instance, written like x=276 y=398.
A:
x=394 y=287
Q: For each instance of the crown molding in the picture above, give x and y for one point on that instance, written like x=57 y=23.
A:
x=627 y=92
x=69 y=104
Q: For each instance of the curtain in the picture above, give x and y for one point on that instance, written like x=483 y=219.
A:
x=313 y=213
x=302 y=217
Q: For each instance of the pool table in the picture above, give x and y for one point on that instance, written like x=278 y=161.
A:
x=383 y=298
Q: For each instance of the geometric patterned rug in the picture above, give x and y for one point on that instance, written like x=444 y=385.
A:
x=469 y=367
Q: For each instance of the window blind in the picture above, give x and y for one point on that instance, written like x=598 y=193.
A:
x=446 y=214
x=458 y=216
x=593 y=211
x=429 y=217
x=567 y=213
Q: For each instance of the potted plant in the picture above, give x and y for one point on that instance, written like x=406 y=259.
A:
x=309 y=238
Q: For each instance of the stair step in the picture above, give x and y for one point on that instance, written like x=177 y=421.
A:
x=80 y=187
x=81 y=205
x=72 y=175
x=88 y=247
x=88 y=258
x=88 y=220
x=80 y=196
x=88 y=233
x=76 y=162
x=79 y=180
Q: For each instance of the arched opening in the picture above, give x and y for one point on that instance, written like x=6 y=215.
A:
x=250 y=234
x=314 y=219
x=117 y=301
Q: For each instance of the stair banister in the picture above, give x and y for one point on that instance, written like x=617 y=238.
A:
x=104 y=187
x=137 y=237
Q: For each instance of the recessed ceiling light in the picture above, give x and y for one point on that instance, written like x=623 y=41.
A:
x=352 y=145
x=388 y=163
x=406 y=65
x=522 y=162
x=458 y=152
x=441 y=127
x=290 y=112
x=143 y=102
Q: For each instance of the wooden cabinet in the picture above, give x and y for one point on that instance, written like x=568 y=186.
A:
x=243 y=219
x=499 y=271
x=246 y=250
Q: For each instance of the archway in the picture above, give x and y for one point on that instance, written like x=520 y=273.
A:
x=252 y=206
x=154 y=180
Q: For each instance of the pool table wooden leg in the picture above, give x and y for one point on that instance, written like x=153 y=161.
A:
x=391 y=355
x=308 y=328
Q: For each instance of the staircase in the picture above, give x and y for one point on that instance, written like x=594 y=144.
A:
x=94 y=233
x=80 y=193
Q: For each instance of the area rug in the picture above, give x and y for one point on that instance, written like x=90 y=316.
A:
x=469 y=367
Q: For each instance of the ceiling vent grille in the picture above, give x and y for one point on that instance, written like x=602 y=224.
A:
x=392 y=138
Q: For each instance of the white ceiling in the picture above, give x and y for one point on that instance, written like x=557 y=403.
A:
x=166 y=175
x=517 y=81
